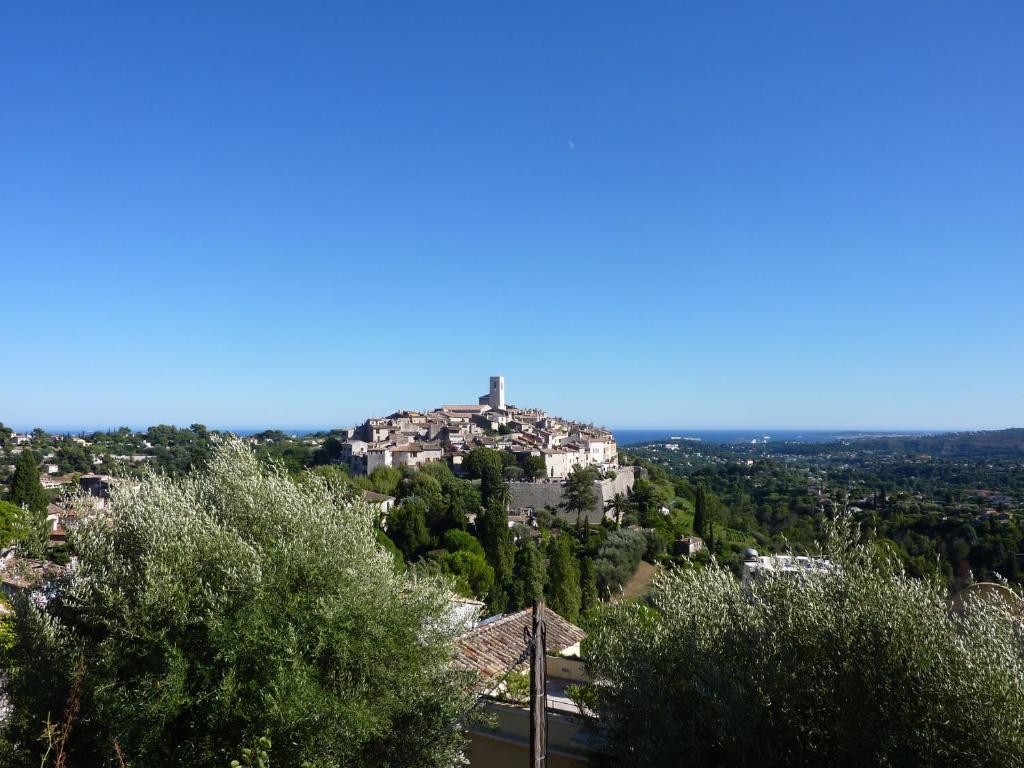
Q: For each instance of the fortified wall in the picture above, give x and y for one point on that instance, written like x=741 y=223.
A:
x=548 y=493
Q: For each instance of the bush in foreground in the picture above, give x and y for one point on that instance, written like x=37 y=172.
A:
x=860 y=665
x=231 y=604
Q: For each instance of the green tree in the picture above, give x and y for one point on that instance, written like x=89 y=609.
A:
x=579 y=495
x=502 y=496
x=26 y=490
x=385 y=480
x=12 y=523
x=429 y=489
x=648 y=497
x=474 y=576
x=407 y=526
x=618 y=558
x=700 y=509
x=619 y=505
x=73 y=457
x=236 y=602
x=527 y=576
x=481 y=462
x=336 y=474
x=456 y=540
x=328 y=453
x=563 y=589
x=494 y=534
x=533 y=467
x=588 y=585
x=462 y=499
x=487 y=466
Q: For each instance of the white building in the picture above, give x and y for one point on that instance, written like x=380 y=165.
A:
x=757 y=566
x=558 y=462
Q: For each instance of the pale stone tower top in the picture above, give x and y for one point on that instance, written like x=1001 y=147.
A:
x=497 y=394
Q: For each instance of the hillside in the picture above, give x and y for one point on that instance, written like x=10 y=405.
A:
x=999 y=444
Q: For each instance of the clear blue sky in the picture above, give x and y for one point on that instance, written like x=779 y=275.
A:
x=705 y=214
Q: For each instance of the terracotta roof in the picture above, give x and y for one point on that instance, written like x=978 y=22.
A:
x=24 y=573
x=491 y=648
x=416 y=447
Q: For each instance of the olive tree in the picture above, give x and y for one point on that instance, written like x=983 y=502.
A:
x=230 y=604
x=858 y=664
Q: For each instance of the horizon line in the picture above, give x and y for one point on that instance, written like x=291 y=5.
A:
x=65 y=429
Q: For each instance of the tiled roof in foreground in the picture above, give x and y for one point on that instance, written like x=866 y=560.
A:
x=492 y=647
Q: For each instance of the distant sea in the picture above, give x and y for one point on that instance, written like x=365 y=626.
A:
x=622 y=436
x=639 y=436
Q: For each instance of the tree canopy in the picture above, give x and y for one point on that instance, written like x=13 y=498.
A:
x=207 y=611
x=579 y=495
x=859 y=664
x=26 y=490
x=12 y=523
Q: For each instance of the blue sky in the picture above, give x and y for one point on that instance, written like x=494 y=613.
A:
x=708 y=214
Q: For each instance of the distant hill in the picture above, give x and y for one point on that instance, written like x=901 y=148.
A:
x=998 y=444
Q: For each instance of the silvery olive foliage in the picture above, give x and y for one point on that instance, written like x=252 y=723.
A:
x=858 y=665
x=234 y=603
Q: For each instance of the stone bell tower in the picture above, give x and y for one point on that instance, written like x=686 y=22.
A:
x=496 y=399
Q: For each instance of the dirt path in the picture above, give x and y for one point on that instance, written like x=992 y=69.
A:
x=640 y=582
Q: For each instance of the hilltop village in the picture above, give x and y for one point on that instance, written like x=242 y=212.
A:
x=546 y=449
x=411 y=438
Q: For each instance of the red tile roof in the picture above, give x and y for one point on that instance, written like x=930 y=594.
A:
x=492 y=647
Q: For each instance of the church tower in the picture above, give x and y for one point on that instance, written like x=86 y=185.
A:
x=496 y=399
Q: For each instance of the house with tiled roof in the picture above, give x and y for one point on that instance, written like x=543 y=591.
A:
x=494 y=649
x=23 y=574
x=492 y=646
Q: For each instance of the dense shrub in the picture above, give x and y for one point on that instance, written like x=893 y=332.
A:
x=618 y=558
x=860 y=665
x=231 y=604
x=657 y=543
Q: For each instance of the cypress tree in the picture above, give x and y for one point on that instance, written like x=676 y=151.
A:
x=26 y=490
x=496 y=538
x=563 y=578
x=527 y=576
x=588 y=585
x=700 y=509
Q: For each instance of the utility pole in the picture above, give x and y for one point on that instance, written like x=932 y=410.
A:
x=538 y=689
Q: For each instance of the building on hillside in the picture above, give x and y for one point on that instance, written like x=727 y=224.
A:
x=97 y=486
x=52 y=482
x=353 y=454
x=382 y=502
x=494 y=647
x=559 y=462
x=758 y=566
x=22 y=574
x=402 y=455
x=687 y=546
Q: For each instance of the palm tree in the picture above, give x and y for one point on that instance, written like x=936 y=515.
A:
x=503 y=495
x=618 y=504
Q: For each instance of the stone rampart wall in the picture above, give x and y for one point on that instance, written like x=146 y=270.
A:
x=548 y=493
